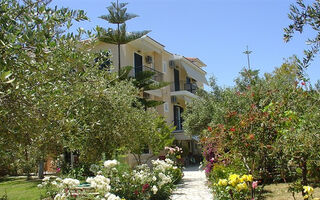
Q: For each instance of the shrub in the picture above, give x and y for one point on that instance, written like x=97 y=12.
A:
x=113 y=180
x=235 y=187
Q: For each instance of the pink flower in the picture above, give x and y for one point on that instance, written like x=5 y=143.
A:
x=254 y=184
x=58 y=170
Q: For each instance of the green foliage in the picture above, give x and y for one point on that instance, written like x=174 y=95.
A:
x=144 y=82
x=269 y=122
x=39 y=58
x=120 y=36
x=201 y=111
x=53 y=96
x=155 y=139
x=302 y=16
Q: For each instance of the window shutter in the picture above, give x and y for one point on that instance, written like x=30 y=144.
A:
x=166 y=107
x=164 y=66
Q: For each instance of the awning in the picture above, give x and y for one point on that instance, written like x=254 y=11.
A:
x=193 y=73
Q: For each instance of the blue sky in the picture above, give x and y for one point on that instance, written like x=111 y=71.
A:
x=216 y=31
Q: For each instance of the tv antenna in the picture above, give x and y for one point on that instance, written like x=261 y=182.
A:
x=248 y=56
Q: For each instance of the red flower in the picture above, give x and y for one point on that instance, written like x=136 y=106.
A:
x=136 y=192
x=251 y=137
x=209 y=128
x=232 y=129
x=145 y=187
x=303 y=83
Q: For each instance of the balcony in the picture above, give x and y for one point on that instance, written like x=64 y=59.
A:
x=183 y=85
x=184 y=90
x=158 y=76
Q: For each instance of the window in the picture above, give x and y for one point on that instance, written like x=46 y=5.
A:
x=177 y=112
x=164 y=66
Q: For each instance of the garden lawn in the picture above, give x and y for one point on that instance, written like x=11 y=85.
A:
x=280 y=192
x=20 y=189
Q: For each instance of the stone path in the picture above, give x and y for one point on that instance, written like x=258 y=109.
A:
x=193 y=186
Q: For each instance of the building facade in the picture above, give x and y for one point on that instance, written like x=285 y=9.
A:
x=184 y=74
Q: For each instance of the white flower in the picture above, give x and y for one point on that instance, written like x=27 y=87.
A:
x=46 y=178
x=70 y=182
x=164 y=180
x=110 y=163
x=169 y=161
x=60 y=197
x=40 y=185
x=154 y=178
x=110 y=196
x=100 y=183
x=161 y=165
x=154 y=189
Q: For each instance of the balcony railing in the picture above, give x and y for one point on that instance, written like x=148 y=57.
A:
x=183 y=85
x=158 y=76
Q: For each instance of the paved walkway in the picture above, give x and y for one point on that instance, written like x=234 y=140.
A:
x=193 y=186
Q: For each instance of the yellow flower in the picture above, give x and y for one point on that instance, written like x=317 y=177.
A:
x=241 y=186
x=234 y=179
x=178 y=157
x=250 y=178
x=243 y=178
x=316 y=198
x=306 y=197
x=308 y=190
x=223 y=182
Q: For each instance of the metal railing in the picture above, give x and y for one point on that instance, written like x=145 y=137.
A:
x=183 y=85
x=158 y=76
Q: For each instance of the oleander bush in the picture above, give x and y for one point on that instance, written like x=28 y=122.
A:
x=266 y=127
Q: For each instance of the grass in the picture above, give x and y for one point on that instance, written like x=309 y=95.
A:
x=280 y=192
x=20 y=189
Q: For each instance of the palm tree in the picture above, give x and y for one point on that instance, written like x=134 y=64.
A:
x=144 y=82
x=118 y=15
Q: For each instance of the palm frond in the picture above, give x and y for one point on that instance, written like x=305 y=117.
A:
x=113 y=36
x=118 y=15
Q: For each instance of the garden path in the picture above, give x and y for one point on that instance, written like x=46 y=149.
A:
x=193 y=186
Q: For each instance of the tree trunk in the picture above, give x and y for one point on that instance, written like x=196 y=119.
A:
x=119 y=57
x=304 y=181
x=41 y=169
x=27 y=167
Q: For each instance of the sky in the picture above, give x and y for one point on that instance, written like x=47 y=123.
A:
x=215 y=31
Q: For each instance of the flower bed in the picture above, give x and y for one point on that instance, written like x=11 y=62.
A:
x=117 y=182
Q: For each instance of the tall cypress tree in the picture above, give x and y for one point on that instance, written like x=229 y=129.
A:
x=118 y=15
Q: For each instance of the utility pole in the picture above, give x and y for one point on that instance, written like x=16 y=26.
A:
x=248 y=54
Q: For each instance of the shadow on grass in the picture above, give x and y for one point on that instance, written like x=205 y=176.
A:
x=264 y=194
